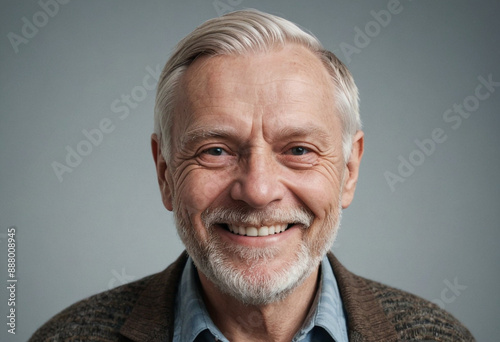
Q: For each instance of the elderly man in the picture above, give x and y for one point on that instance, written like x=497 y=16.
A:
x=257 y=147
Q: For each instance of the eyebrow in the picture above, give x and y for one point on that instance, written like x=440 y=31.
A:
x=194 y=136
x=306 y=131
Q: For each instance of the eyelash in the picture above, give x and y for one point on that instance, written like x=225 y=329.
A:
x=206 y=151
x=295 y=156
x=304 y=149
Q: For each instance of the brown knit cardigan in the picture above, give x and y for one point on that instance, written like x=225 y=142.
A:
x=144 y=311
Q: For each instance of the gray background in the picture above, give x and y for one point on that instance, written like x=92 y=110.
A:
x=104 y=224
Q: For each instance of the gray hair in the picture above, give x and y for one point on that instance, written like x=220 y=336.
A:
x=244 y=32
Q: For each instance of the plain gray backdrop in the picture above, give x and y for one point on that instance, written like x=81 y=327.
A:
x=435 y=232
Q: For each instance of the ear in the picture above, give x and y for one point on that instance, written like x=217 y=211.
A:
x=161 y=172
x=352 y=169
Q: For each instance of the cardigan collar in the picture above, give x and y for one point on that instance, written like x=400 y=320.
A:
x=366 y=319
x=152 y=317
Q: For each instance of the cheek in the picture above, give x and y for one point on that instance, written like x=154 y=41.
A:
x=200 y=189
x=320 y=194
x=318 y=190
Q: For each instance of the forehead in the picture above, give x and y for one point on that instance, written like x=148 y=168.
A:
x=287 y=82
x=247 y=72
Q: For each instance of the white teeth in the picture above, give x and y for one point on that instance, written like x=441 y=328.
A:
x=261 y=231
x=252 y=231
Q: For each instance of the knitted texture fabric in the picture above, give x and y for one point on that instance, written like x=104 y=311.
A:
x=144 y=311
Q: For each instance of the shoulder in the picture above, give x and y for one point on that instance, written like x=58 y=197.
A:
x=416 y=318
x=377 y=312
x=134 y=310
x=97 y=317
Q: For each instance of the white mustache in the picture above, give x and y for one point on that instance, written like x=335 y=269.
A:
x=257 y=218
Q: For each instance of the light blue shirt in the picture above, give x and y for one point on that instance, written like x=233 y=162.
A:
x=325 y=322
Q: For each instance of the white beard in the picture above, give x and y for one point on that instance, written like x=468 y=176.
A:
x=213 y=258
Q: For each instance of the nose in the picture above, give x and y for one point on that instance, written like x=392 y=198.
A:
x=259 y=182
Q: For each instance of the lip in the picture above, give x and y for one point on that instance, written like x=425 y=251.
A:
x=258 y=241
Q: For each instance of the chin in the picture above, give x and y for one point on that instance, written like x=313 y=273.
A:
x=257 y=284
x=256 y=275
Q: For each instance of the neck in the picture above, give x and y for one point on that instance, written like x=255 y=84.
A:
x=278 y=321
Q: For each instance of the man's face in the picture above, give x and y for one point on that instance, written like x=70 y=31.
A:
x=257 y=170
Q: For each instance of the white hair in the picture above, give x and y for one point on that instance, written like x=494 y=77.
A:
x=244 y=32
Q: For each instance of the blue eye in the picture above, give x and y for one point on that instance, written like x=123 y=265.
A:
x=214 y=151
x=299 y=150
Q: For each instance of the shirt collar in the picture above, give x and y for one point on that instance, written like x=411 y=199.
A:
x=192 y=318
x=191 y=315
x=328 y=311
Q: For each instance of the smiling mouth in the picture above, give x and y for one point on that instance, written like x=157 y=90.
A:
x=256 y=231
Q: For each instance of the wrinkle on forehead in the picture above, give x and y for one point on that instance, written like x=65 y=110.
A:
x=296 y=63
x=277 y=85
